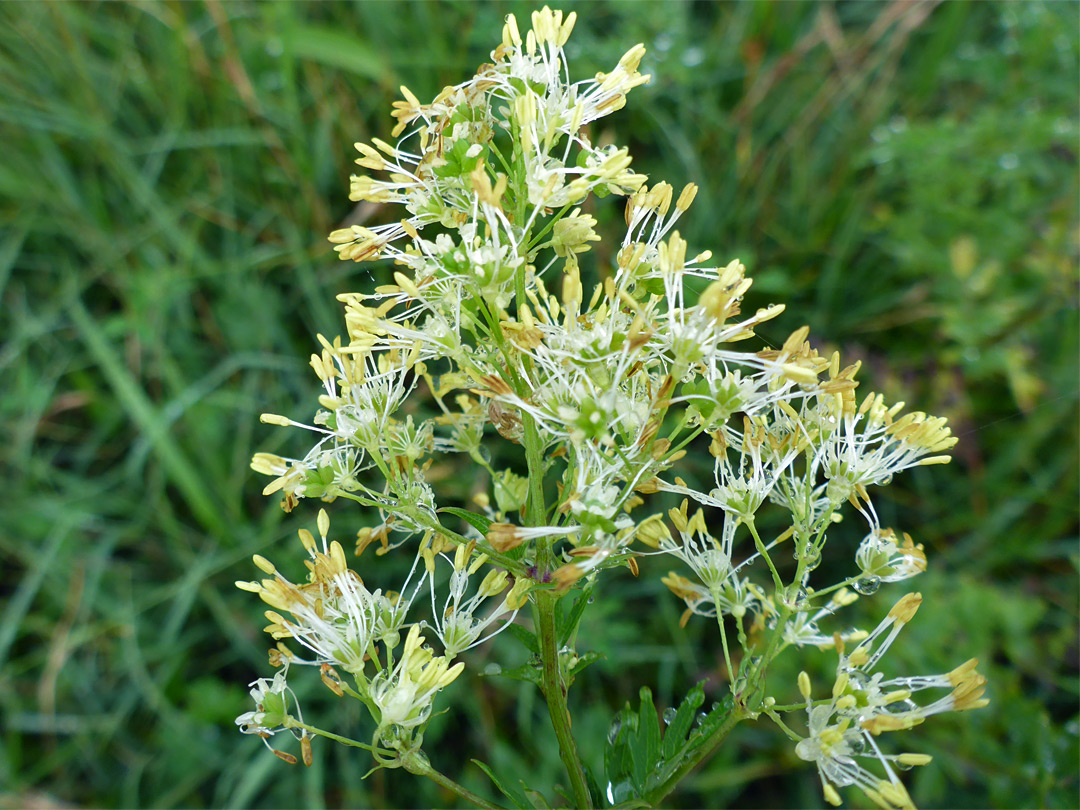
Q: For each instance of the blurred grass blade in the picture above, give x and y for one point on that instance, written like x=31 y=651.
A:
x=138 y=406
x=29 y=585
x=335 y=49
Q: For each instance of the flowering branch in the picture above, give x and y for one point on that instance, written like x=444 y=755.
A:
x=497 y=329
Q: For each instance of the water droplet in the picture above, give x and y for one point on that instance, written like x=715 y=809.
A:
x=610 y=795
x=897 y=123
x=715 y=706
x=493 y=669
x=867 y=585
x=663 y=42
x=857 y=745
x=613 y=732
x=669 y=715
x=590 y=600
x=699 y=719
x=1008 y=161
x=903 y=766
x=881 y=155
x=622 y=791
x=693 y=56
x=880 y=134
x=812 y=557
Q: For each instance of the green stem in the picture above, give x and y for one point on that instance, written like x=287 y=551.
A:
x=535 y=241
x=292 y=722
x=555 y=695
x=417 y=763
x=776 y=644
x=544 y=617
x=776 y=719
x=537 y=511
x=425 y=519
x=732 y=675
x=777 y=581
x=837 y=586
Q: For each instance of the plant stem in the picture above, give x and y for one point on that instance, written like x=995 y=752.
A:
x=417 y=763
x=555 y=695
x=544 y=617
x=777 y=580
x=292 y=722
x=776 y=719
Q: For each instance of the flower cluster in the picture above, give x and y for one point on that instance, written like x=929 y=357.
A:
x=341 y=623
x=865 y=704
x=603 y=376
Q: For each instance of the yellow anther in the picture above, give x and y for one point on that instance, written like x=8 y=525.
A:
x=904 y=610
x=264 y=564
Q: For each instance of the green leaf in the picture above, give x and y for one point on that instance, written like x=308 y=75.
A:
x=716 y=716
x=530 y=673
x=648 y=732
x=642 y=755
x=537 y=799
x=583 y=661
x=618 y=760
x=477 y=521
x=679 y=727
x=526 y=637
x=518 y=797
x=571 y=622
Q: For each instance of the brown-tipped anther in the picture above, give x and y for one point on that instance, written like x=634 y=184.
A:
x=331 y=679
x=305 y=749
x=504 y=536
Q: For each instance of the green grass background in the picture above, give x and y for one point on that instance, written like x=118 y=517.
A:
x=902 y=176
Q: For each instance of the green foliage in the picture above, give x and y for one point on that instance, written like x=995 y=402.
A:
x=907 y=186
x=640 y=757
